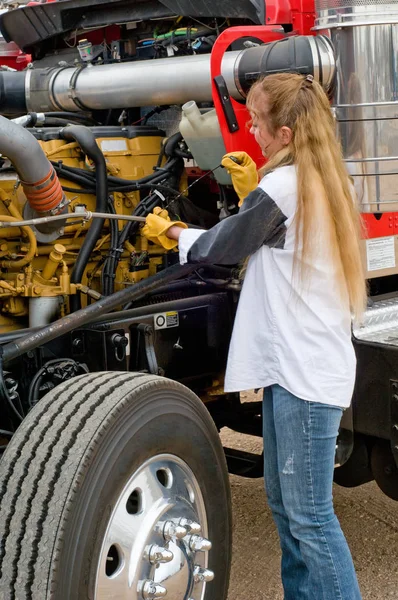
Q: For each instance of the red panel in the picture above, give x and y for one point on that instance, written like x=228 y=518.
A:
x=381 y=226
x=303 y=16
x=240 y=139
x=278 y=12
x=12 y=56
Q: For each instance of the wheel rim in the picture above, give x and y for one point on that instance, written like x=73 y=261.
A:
x=155 y=544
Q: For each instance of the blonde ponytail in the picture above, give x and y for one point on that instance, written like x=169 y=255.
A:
x=302 y=105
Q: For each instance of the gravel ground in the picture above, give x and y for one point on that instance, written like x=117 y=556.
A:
x=368 y=518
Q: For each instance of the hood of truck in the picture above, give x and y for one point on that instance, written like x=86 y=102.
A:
x=31 y=26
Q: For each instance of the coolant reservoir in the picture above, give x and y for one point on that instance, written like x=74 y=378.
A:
x=202 y=133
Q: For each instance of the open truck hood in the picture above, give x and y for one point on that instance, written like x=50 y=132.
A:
x=31 y=26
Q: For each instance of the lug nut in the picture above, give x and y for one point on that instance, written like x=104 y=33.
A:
x=173 y=530
x=200 y=574
x=158 y=554
x=199 y=544
x=151 y=590
x=192 y=526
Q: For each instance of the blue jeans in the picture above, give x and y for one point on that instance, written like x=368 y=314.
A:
x=299 y=448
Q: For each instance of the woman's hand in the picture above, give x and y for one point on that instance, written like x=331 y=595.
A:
x=160 y=230
x=243 y=171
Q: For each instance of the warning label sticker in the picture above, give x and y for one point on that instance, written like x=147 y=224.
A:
x=380 y=253
x=166 y=320
x=114 y=146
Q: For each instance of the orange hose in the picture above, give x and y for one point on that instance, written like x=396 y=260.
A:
x=46 y=194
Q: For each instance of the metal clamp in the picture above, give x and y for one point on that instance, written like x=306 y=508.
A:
x=72 y=87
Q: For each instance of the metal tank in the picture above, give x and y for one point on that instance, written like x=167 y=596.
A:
x=365 y=38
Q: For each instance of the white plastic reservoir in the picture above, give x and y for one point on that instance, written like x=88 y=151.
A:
x=202 y=133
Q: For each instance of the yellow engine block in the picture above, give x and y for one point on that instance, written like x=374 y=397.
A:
x=37 y=273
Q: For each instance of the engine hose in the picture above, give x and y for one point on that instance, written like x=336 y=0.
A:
x=27 y=259
x=74 y=116
x=172 y=143
x=88 y=314
x=60 y=122
x=39 y=181
x=89 y=177
x=109 y=268
x=87 y=142
x=182 y=154
x=75 y=178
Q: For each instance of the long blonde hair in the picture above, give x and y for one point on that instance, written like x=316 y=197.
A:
x=299 y=103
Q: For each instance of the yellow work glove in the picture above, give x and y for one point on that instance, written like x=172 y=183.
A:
x=243 y=171
x=156 y=226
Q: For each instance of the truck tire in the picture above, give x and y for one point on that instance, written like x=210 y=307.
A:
x=112 y=487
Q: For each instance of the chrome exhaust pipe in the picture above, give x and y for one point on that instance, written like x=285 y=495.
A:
x=164 y=81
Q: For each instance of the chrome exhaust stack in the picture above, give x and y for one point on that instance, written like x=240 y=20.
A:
x=365 y=40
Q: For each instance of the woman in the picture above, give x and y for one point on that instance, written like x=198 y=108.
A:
x=292 y=332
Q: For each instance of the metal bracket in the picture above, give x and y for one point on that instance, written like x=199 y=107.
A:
x=394 y=418
x=226 y=103
x=244 y=464
x=147 y=331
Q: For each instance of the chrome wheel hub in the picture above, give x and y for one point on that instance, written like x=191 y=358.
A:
x=156 y=545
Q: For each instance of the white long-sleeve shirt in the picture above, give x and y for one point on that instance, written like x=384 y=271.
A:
x=287 y=331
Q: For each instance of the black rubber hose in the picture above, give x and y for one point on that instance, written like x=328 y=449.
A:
x=73 y=116
x=59 y=122
x=160 y=174
x=75 y=178
x=172 y=143
x=86 y=140
x=131 y=227
x=86 y=315
x=109 y=268
x=172 y=149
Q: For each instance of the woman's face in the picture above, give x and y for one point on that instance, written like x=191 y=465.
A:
x=270 y=144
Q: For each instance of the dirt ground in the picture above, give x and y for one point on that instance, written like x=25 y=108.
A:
x=368 y=518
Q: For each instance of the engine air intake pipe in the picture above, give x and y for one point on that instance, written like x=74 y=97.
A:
x=38 y=178
x=164 y=81
x=86 y=140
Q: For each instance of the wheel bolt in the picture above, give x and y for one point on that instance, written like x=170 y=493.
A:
x=173 y=530
x=200 y=574
x=151 y=590
x=199 y=544
x=158 y=554
x=192 y=526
